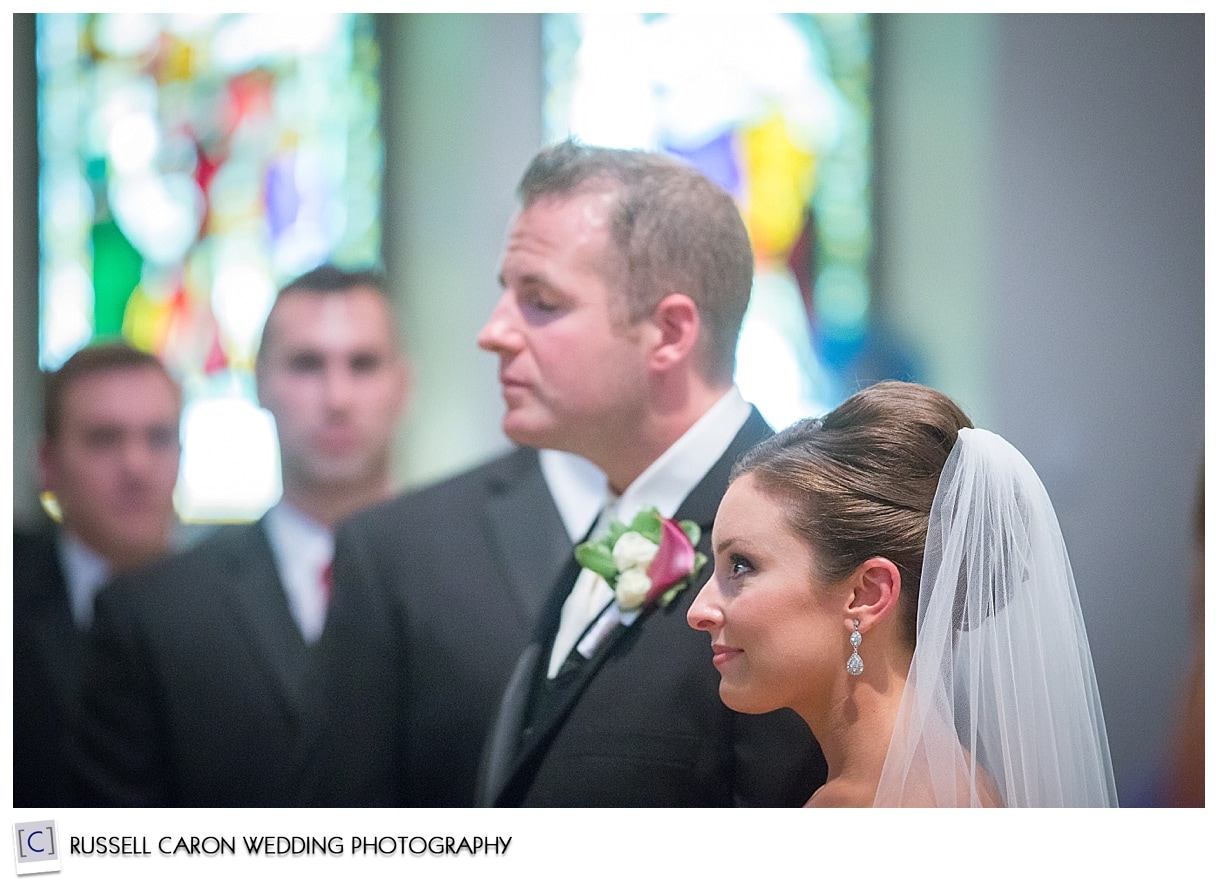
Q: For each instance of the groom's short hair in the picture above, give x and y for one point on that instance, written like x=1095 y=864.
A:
x=674 y=229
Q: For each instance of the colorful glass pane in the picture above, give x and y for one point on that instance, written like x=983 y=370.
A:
x=190 y=164
x=777 y=109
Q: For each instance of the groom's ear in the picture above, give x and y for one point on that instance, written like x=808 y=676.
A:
x=876 y=588
x=677 y=324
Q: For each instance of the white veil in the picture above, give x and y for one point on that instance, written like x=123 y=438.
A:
x=1001 y=692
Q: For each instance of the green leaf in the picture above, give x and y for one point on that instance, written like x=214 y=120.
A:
x=692 y=530
x=647 y=524
x=616 y=531
x=667 y=597
x=594 y=556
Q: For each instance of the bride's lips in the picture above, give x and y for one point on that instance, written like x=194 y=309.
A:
x=724 y=654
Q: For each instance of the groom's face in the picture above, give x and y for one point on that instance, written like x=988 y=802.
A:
x=571 y=369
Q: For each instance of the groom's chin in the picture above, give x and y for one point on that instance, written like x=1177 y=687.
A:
x=532 y=430
x=520 y=432
x=518 y=428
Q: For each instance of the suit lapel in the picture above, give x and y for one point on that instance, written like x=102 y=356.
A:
x=48 y=613
x=503 y=759
x=526 y=531
x=702 y=502
x=699 y=506
x=261 y=608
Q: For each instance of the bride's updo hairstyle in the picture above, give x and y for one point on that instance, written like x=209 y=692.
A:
x=859 y=481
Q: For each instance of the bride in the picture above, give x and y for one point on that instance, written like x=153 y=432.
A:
x=899 y=578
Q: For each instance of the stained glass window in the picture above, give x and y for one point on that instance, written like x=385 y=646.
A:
x=777 y=109
x=190 y=164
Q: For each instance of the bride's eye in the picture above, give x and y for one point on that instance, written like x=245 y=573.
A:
x=740 y=565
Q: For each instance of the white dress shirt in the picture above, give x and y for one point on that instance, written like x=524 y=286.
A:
x=578 y=488
x=302 y=549
x=664 y=486
x=85 y=572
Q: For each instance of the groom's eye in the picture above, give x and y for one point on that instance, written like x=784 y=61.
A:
x=540 y=310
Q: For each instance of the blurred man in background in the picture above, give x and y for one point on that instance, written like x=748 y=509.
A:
x=108 y=457
x=198 y=689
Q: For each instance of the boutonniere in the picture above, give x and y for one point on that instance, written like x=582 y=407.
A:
x=650 y=560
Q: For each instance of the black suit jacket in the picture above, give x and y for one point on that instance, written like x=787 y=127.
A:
x=196 y=690
x=642 y=724
x=439 y=589
x=47 y=650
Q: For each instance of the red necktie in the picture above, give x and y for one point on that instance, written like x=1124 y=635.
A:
x=327 y=581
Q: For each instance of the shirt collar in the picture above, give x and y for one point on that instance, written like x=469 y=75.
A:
x=577 y=487
x=301 y=548
x=85 y=572
x=580 y=490
x=672 y=477
x=291 y=531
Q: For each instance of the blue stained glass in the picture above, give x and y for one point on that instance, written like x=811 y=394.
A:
x=775 y=108
x=716 y=159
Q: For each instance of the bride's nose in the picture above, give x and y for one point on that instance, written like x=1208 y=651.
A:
x=704 y=613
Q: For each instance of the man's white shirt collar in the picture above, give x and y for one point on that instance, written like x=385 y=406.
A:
x=301 y=548
x=580 y=490
x=577 y=487
x=85 y=572
x=672 y=477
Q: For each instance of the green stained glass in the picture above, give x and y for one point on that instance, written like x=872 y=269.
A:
x=190 y=164
x=116 y=271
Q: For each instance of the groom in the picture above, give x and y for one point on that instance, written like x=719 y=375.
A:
x=625 y=279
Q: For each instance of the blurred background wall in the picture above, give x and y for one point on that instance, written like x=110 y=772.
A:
x=1039 y=208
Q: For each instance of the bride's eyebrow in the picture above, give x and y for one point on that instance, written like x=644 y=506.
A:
x=722 y=545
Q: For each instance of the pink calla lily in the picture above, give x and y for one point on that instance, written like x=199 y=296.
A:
x=673 y=562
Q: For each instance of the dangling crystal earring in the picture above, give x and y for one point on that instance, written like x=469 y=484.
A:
x=854 y=664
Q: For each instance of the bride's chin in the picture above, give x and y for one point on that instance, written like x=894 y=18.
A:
x=741 y=701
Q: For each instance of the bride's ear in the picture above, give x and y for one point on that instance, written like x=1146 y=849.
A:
x=876 y=586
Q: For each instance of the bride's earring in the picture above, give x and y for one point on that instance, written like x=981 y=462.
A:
x=854 y=664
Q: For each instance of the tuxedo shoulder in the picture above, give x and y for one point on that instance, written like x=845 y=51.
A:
x=444 y=495
x=31 y=537
x=756 y=428
x=36 y=571
x=31 y=545
x=221 y=550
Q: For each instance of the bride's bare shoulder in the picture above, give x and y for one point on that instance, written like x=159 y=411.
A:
x=841 y=794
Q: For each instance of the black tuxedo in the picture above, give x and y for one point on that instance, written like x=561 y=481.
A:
x=641 y=722
x=196 y=692
x=448 y=582
x=47 y=650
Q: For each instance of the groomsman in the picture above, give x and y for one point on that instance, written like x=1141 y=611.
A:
x=625 y=280
x=109 y=456
x=198 y=692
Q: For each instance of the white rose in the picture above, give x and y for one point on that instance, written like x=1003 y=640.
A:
x=632 y=587
x=634 y=550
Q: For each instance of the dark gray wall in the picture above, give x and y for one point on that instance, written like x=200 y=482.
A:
x=27 y=380
x=1041 y=243
x=1098 y=339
